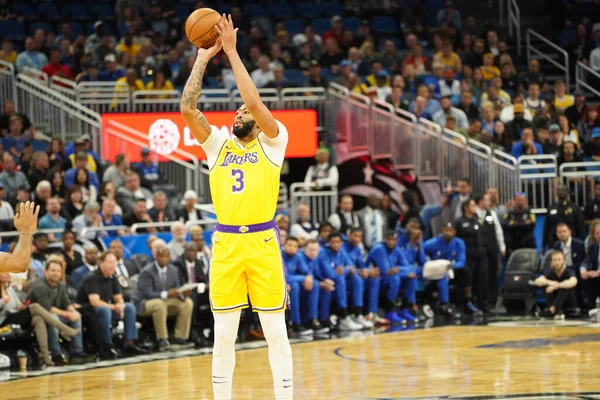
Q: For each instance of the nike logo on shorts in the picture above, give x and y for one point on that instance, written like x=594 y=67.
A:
x=269 y=239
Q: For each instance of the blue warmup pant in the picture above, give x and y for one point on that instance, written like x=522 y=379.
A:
x=373 y=285
x=426 y=214
x=295 y=302
x=444 y=290
x=356 y=287
x=409 y=289
x=303 y=300
x=391 y=285
x=325 y=298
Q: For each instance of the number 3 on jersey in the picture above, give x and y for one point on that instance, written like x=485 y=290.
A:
x=238 y=176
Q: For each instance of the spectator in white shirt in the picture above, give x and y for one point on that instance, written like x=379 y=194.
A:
x=344 y=218
x=177 y=245
x=6 y=210
x=373 y=221
x=322 y=175
x=263 y=74
x=304 y=228
x=595 y=54
x=449 y=86
x=459 y=115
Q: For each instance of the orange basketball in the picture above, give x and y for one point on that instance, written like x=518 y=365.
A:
x=200 y=27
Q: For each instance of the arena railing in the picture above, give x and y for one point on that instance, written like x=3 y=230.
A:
x=65 y=86
x=35 y=73
x=514 y=23
x=479 y=165
x=95 y=229
x=105 y=97
x=579 y=177
x=8 y=82
x=215 y=100
x=505 y=175
x=454 y=164
x=155 y=101
x=322 y=203
x=15 y=234
x=585 y=76
x=540 y=54
x=141 y=225
x=55 y=114
x=537 y=177
x=194 y=176
x=301 y=98
x=428 y=150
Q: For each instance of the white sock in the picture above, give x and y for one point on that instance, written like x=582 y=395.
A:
x=280 y=354
x=223 y=362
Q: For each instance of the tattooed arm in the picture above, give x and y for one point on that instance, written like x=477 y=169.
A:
x=191 y=93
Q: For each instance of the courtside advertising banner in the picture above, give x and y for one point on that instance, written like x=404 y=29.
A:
x=167 y=134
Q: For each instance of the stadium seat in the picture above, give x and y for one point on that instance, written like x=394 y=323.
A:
x=522 y=267
x=307 y=10
x=225 y=8
x=330 y=9
x=295 y=76
x=102 y=11
x=384 y=25
x=140 y=260
x=326 y=73
x=255 y=10
x=293 y=26
x=40 y=25
x=182 y=11
x=281 y=11
x=352 y=23
x=566 y=37
x=12 y=30
x=321 y=25
x=76 y=28
x=434 y=5
x=25 y=10
x=48 y=11
x=75 y=11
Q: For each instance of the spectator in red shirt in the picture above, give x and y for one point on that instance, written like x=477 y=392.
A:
x=337 y=30
x=56 y=67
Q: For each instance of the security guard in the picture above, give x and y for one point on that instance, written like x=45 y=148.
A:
x=493 y=243
x=592 y=208
x=563 y=211
x=519 y=224
x=475 y=273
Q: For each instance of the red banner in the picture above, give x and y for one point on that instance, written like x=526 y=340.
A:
x=168 y=134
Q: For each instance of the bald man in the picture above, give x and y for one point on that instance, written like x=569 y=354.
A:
x=25 y=222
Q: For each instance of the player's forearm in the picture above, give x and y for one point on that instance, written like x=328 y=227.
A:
x=247 y=88
x=193 y=87
x=19 y=260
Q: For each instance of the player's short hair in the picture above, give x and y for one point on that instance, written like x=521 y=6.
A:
x=390 y=233
x=355 y=230
x=334 y=235
x=465 y=180
x=555 y=252
x=479 y=198
x=325 y=225
x=465 y=204
x=344 y=196
x=561 y=224
x=292 y=239
x=311 y=241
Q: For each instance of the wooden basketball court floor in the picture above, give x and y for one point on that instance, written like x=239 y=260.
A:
x=525 y=359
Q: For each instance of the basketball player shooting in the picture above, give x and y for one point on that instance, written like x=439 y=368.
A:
x=244 y=184
x=25 y=222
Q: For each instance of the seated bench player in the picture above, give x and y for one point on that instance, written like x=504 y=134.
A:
x=444 y=247
x=299 y=279
x=311 y=312
x=335 y=265
x=369 y=283
x=390 y=260
x=415 y=255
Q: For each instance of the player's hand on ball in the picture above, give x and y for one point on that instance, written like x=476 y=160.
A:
x=207 y=54
x=228 y=34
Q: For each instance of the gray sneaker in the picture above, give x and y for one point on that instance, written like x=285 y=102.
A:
x=164 y=345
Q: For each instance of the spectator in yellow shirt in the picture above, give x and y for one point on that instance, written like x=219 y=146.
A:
x=7 y=53
x=132 y=81
x=127 y=45
x=376 y=66
x=562 y=100
x=159 y=83
x=448 y=57
x=488 y=69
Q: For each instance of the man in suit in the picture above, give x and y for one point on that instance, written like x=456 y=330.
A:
x=187 y=212
x=590 y=269
x=345 y=218
x=125 y=270
x=90 y=265
x=574 y=251
x=192 y=270
x=157 y=296
x=454 y=209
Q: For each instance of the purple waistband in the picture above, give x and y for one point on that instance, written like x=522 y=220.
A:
x=265 y=226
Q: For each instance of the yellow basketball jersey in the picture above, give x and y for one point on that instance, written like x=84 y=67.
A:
x=244 y=184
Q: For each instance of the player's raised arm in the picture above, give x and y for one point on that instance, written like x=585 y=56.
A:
x=260 y=112
x=191 y=93
x=26 y=223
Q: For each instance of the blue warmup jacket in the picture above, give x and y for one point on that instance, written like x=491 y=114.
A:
x=384 y=258
x=329 y=260
x=295 y=267
x=355 y=254
x=437 y=249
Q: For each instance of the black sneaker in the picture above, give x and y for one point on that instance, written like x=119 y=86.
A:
x=301 y=330
x=449 y=312
x=318 y=328
x=179 y=344
x=472 y=310
x=164 y=345
x=109 y=354
x=60 y=360
x=545 y=314
x=81 y=358
x=132 y=350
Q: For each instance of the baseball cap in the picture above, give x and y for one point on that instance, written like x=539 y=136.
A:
x=314 y=63
x=553 y=128
x=449 y=225
x=110 y=58
x=80 y=140
x=98 y=23
x=382 y=74
x=595 y=134
x=596 y=27
x=518 y=108
x=190 y=195
x=449 y=73
x=345 y=63
x=145 y=151
x=336 y=18
x=85 y=136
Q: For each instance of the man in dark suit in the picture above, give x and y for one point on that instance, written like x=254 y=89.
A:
x=191 y=270
x=590 y=270
x=156 y=295
x=125 y=270
x=574 y=251
x=187 y=211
